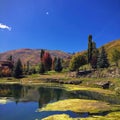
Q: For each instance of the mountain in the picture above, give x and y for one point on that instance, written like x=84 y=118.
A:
x=32 y=55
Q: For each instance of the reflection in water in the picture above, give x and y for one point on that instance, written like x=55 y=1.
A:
x=42 y=95
x=45 y=95
x=84 y=94
x=51 y=95
x=27 y=99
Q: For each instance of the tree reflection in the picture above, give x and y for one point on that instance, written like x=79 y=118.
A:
x=40 y=94
x=14 y=91
x=48 y=95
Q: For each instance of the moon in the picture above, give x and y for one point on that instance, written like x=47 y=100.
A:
x=47 y=13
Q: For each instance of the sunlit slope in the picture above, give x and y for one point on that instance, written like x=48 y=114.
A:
x=111 y=46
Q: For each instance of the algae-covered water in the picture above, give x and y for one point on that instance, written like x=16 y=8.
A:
x=18 y=102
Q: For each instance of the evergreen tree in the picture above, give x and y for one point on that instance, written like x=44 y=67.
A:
x=102 y=61
x=53 y=63
x=58 y=65
x=93 y=46
x=42 y=54
x=41 y=68
x=10 y=58
x=28 y=66
x=89 y=48
x=18 y=70
x=93 y=61
x=33 y=70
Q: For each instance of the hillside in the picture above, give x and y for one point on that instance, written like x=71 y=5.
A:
x=111 y=46
x=32 y=55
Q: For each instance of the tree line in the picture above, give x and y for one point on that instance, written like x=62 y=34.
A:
x=96 y=58
x=47 y=63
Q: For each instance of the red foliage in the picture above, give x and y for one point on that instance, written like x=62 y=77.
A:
x=6 y=72
x=47 y=61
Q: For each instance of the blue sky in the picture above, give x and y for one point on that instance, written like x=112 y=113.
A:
x=58 y=24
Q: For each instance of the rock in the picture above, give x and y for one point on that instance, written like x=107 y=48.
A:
x=106 y=85
x=72 y=74
x=75 y=82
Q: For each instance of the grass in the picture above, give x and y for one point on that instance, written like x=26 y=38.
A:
x=9 y=80
x=87 y=83
x=79 y=105
x=110 y=116
x=77 y=88
x=58 y=117
x=76 y=105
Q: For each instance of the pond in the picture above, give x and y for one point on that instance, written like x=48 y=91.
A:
x=19 y=102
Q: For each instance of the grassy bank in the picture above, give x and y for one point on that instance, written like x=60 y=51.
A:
x=90 y=84
x=75 y=105
x=110 y=116
x=79 y=105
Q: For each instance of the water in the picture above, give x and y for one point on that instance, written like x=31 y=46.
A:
x=19 y=102
x=84 y=94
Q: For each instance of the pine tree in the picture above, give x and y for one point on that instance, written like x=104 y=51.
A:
x=93 y=61
x=58 y=65
x=89 y=48
x=53 y=63
x=102 y=61
x=41 y=68
x=18 y=70
x=42 y=54
x=10 y=58
x=93 y=46
x=28 y=66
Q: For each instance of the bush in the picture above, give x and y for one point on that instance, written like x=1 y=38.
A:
x=77 y=61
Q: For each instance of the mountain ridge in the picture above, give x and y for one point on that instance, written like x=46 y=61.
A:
x=32 y=55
